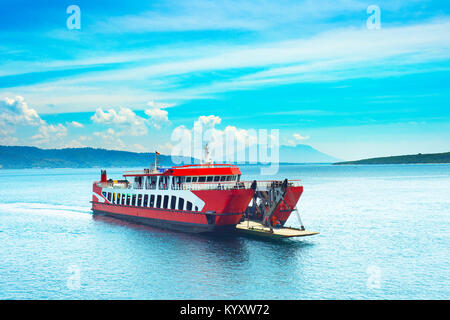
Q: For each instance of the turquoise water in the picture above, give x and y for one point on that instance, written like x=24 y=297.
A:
x=384 y=234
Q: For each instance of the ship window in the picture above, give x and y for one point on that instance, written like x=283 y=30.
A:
x=188 y=205
x=196 y=208
x=133 y=202
x=123 y=198
x=166 y=202
x=145 y=200
x=188 y=179
x=216 y=178
x=151 y=182
x=152 y=200
x=173 y=202
x=139 y=200
x=201 y=179
x=223 y=178
x=163 y=183
x=109 y=196
x=128 y=199
x=158 y=201
x=209 y=179
x=194 y=179
x=228 y=178
x=104 y=194
x=180 y=203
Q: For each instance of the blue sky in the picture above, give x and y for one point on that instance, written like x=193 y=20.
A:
x=136 y=71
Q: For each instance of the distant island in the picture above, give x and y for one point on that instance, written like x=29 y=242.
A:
x=21 y=157
x=406 y=159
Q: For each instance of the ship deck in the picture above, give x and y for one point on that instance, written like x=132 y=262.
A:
x=257 y=229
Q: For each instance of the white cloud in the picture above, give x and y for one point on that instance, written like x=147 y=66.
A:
x=223 y=144
x=158 y=117
x=222 y=15
x=110 y=139
x=50 y=133
x=332 y=55
x=125 y=118
x=76 y=124
x=8 y=141
x=15 y=112
x=297 y=139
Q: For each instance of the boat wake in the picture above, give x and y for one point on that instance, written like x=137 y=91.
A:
x=44 y=208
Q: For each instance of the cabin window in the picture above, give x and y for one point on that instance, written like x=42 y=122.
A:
x=196 y=208
x=166 y=202
x=151 y=182
x=180 y=203
x=177 y=183
x=173 y=202
x=216 y=178
x=152 y=200
x=163 y=183
x=158 y=201
x=239 y=177
x=201 y=179
x=109 y=196
x=194 y=179
x=104 y=194
x=188 y=205
x=228 y=178
x=128 y=199
x=123 y=198
x=223 y=178
x=138 y=182
x=139 y=200
x=188 y=179
x=145 y=200
x=210 y=178
x=133 y=201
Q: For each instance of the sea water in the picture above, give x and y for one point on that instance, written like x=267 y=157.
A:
x=384 y=234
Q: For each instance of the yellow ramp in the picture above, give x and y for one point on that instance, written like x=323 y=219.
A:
x=255 y=228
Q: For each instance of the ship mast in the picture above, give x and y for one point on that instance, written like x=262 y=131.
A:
x=155 y=166
x=207 y=158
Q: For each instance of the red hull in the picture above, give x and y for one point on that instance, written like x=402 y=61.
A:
x=286 y=207
x=223 y=210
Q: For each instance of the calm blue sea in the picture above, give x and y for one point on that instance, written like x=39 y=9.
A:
x=384 y=234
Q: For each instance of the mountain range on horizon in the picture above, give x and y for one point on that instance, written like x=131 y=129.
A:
x=19 y=157
x=304 y=153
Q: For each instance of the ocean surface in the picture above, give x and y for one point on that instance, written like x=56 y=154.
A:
x=384 y=234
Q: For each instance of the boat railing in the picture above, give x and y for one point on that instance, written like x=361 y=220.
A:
x=229 y=185
x=224 y=185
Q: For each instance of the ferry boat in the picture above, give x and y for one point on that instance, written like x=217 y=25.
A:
x=195 y=198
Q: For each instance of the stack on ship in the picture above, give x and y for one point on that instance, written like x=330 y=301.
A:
x=198 y=198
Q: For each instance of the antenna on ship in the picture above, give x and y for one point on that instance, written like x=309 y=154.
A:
x=207 y=159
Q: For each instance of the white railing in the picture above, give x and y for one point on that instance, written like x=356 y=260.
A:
x=225 y=185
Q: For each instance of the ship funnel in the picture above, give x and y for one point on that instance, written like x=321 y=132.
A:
x=103 y=177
